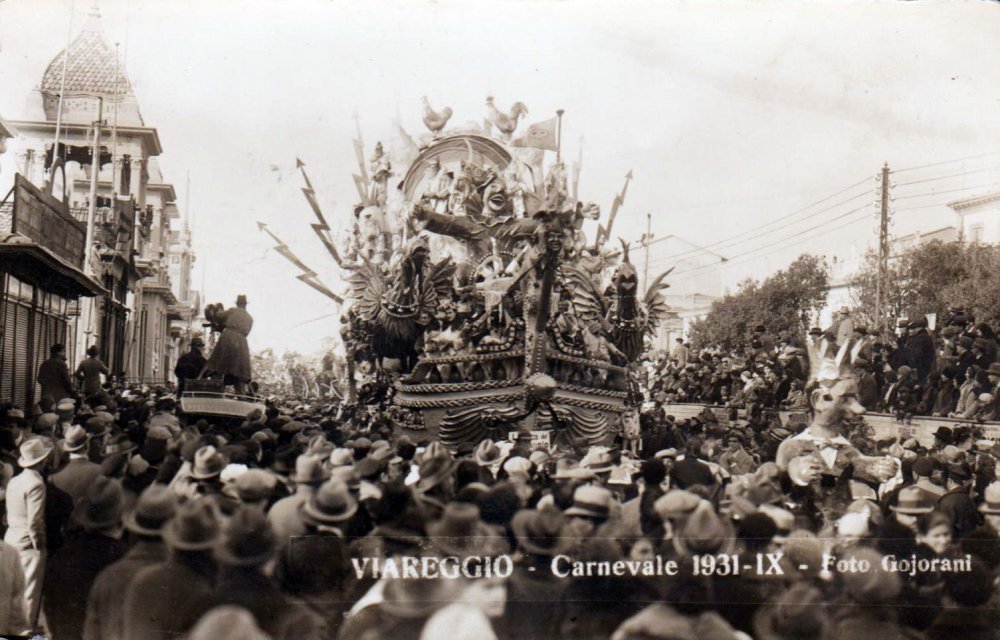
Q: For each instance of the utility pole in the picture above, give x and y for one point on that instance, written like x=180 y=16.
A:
x=88 y=250
x=883 y=249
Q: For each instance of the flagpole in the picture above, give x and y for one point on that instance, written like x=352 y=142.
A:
x=559 y=115
x=62 y=87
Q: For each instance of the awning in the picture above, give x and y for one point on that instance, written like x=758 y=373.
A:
x=34 y=263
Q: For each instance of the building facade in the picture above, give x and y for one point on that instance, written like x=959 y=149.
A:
x=100 y=124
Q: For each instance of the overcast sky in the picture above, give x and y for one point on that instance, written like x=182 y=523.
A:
x=730 y=115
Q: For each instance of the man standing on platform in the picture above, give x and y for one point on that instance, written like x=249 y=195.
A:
x=231 y=356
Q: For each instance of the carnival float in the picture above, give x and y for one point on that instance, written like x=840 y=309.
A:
x=477 y=305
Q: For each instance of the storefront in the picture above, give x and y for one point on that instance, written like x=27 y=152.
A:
x=41 y=252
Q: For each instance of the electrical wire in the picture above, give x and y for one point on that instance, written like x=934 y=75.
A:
x=951 y=175
x=934 y=193
x=662 y=259
x=766 y=224
x=795 y=237
x=938 y=164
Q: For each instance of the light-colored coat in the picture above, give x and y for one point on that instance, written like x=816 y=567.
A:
x=26 y=511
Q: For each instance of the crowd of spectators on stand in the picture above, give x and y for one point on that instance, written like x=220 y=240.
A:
x=952 y=371
x=124 y=519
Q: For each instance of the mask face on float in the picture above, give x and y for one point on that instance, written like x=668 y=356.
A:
x=835 y=403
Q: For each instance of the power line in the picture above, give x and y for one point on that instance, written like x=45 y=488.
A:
x=934 y=193
x=778 y=219
x=764 y=233
x=951 y=175
x=784 y=240
x=938 y=164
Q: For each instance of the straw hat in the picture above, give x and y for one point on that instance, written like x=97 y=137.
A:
x=912 y=501
x=590 y=501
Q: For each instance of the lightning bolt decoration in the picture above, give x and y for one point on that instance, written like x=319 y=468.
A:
x=307 y=276
x=321 y=228
x=361 y=181
x=604 y=233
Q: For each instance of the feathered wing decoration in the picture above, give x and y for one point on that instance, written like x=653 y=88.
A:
x=367 y=285
x=437 y=284
x=655 y=303
x=588 y=301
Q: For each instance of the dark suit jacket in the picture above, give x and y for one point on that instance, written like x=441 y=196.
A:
x=76 y=477
x=166 y=600
x=53 y=377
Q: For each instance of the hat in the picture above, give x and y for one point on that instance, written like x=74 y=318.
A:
x=815 y=331
x=76 y=439
x=349 y=475
x=981 y=343
x=101 y=506
x=993 y=369
x=803 y=553
x=341 y=457
x=486 y=453
x=967 y=342
x=799 y=614
x=434 y=468
x=598 y=461
x=310 y=470
x=320 y=446
x=46 y=421
x=991 y=501
x=331 y=504
x=33 y=451
x=704 y=532
x=247 y=539
x=208 y=463
x=227 y=622
x=97 y=427
x=676 y=503
x=66 y=405
x=194 y=527
x=590 y=501
x=154 y=508
x=255 y=485
x=918 y=324
x=540 y=531
x=912 y=501
x=119 y=444
x=517 y=466
x=569 y=469
x=924 y=466
x=368 y=468
x=872 y=587
x=461 y=531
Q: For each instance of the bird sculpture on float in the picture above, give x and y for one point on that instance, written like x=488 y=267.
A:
x=435 y=120
x=505 y=122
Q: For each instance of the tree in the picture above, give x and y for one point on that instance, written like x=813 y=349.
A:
x=783 y=304
x=929 y=278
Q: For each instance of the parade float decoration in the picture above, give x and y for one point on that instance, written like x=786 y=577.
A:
x=475 y=297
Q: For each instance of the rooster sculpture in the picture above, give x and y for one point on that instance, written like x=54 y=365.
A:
x=506 y=123
x=629 y=318
x=435 y=120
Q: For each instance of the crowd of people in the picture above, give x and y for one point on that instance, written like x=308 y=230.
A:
x=124 y=519
x=950 y=372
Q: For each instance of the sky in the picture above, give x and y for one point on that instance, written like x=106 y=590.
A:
x=738 y=120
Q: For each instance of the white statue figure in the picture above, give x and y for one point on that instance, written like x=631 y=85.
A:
x=381 y=169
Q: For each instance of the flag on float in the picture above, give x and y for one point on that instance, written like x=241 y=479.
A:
x=541 y=135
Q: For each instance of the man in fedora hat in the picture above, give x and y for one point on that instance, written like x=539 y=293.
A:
x=165 y=600
x=247 y=544
x=79 y=473
x=329 y=511
x=990 y=508
x=26 y=531
x=532 y=587
x=72 y=569
x=911 y=504
x=230 y=358
x=190 y=365
x=154 y=509
x=285 y=515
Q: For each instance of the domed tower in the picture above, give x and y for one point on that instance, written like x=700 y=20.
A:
x=92 y=70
